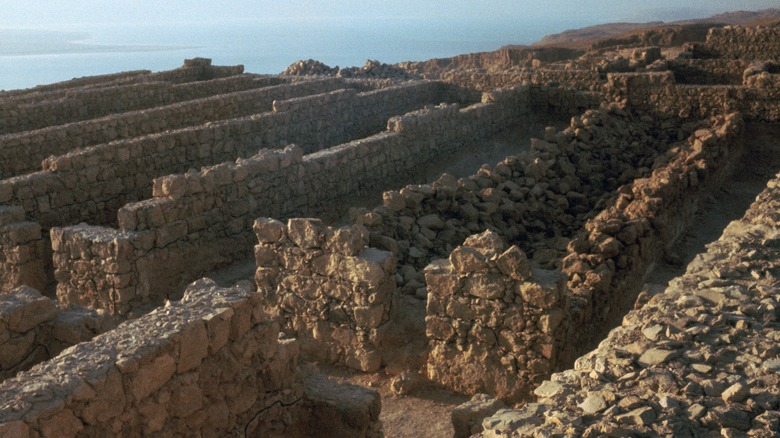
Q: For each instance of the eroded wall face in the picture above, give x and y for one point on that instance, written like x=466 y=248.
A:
x=327 y=287
x=87 y=103
x=199 y=220
x=214 y=365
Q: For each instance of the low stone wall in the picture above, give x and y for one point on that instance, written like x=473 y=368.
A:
x=493 y=323
x=421 y=221
x=87 y=103
x=588 y=80
x=563 y=102
x=22 y=251
x=201 y=220
x=708 y=71
x=659 y=93
x=211 y=364
x=537 y=199
x=90 y=185
x=700 y=359
x=610 y=258
x=48 y=91
x=327 y=288
x=744 y=42
x=24 y=152
x=34 y=329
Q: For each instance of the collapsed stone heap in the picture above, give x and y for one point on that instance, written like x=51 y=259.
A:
x=700 y=359
x=509 y=274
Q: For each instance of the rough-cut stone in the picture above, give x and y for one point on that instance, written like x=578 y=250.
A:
x=656 y=356
x=640 y=417
x=467 y=417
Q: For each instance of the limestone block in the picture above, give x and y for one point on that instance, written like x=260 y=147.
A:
x=10 y=214
x=16 y=349
x=488 y=243
x=369 y=317
x=465 y=259
x=544 y=290
x=173 y=186
x=63 y=424
x=514 y=263
x=152 y=376
x=440 y=279
x=487 y=286
x=15 y=429
x=25 y=308
x=194 y=347
x=393 y=201
x=266 y=256
x=306 y=233
x=349 y=241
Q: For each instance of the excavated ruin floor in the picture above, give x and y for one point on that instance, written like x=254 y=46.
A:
x=748 y=178
x=425 y=410
x=508 y=142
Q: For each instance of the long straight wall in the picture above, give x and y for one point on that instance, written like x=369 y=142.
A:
x=200 y=220
x=91 y=184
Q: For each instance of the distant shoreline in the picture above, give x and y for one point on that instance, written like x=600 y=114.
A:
x=23 y=42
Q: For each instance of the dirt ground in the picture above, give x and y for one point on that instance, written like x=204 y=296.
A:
x=424 y=412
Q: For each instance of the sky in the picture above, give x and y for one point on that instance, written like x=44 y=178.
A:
x=43 y=14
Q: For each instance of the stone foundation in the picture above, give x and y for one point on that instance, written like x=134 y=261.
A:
x=200 y=220
x=700 y=359
x=327 y=287
x=493 y=322
x=34 y=329
x=22 y=251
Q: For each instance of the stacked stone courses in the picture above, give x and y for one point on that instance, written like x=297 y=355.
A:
x=83 y=104
x=207 y=364
x=118 y=191
x=34 y=329
x=327 y=288
x=87 y=81
x=698 y=359
x=122 y=171
x=749 y=43
x=23 y=152
x=208 y=215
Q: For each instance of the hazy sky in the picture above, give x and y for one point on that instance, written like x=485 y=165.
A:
x=55 y=13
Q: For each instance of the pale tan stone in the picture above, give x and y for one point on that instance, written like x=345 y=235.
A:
x=152 y=376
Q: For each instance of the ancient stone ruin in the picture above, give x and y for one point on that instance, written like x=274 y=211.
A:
x=179 y=249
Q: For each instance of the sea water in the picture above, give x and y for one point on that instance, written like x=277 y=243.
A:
x=262 y=46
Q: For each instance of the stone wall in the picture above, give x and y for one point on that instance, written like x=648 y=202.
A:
x=211 y=364
x=23 y=255
x=200 y=220
x=744 y=42
x=493 y=323
x=537 y=199
x=327 y=288
x=582 y=177
x=24 y=152
x=708 y=71
x=588 y=80
x=659 y=93
x=699 y=359
x=607 y=262
x=91 y=184
x=87 y=103
x=43 y=92
x=34 y=329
